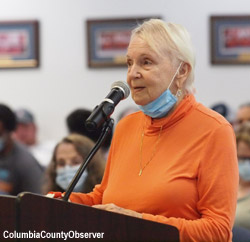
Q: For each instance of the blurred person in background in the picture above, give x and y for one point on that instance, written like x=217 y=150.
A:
x=242 y=115
x=243 y=151
x=27 y=133
x=224 y=110
x=75 y=122
x=67 y=157
x=19 y=170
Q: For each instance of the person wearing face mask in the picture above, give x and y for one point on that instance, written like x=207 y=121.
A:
x=243 y=151
x=242 y=115
x=67 y=157
x=175 y=161
x=19 y=170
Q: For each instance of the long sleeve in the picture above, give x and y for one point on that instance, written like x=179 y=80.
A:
x=90 y=199
x=191 y=182
x=217 y=187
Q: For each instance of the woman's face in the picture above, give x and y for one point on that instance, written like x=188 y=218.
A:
x=149 y=74
x=66 y=154
x=243 y=115
x=243 y=150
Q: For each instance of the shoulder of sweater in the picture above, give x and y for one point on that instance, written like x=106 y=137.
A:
x=210 y=115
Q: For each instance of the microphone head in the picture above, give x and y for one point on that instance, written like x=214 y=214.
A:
x=123 y=86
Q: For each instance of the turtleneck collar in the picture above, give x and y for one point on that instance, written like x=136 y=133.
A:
x=152 y=126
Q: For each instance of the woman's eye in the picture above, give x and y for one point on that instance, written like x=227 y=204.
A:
x=76 y=161
x=60 y=163
x=147 y=62
x=129 y=63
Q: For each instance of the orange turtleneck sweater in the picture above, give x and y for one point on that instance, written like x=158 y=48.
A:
x=191 y=181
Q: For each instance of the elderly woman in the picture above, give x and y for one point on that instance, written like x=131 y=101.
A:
x=67 y=157
x=173 y=162
x=243 y=151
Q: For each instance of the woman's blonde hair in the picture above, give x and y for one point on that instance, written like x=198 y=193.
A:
x=171 y=40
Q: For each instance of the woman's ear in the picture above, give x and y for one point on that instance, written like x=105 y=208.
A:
x=182 y=75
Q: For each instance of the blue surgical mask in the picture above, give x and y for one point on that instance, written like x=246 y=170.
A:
x=163 y=104
x=244 y=169
x=66 y=174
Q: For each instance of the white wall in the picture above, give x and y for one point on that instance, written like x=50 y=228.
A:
x=63 y=82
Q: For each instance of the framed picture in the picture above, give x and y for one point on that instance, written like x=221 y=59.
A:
x=108 y=40
x=19 y=44
x=230 y=39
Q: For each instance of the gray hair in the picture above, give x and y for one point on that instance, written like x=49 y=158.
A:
x=171 y=40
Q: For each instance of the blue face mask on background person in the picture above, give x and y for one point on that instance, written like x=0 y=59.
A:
x=244 y=169
x=163 y=104
x=66 y=174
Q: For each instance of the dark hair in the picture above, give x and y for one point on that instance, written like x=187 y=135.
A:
x=76 y=124
x=7 y=117
x=222 y=109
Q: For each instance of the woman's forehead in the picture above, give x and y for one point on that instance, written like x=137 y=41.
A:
x=139 y=46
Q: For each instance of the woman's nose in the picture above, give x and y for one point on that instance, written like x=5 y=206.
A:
x=134 y=72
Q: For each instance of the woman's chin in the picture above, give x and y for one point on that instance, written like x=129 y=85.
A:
x=138 y=102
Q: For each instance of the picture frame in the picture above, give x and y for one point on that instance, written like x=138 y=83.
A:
x=19 y=44
x=230 y=39
x=108 y=39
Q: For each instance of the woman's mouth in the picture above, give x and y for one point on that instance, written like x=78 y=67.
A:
x=138 y=89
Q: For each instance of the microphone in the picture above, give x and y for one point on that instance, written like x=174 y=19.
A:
x=119 y=91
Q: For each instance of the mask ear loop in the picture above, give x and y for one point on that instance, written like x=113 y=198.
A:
x=175 y=75
x=179 y=92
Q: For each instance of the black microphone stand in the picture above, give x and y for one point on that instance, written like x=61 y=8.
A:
x=107 y=127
